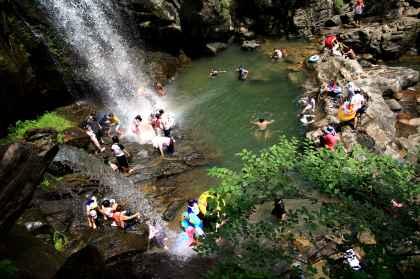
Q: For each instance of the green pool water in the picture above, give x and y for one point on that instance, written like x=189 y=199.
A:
x=220 y=110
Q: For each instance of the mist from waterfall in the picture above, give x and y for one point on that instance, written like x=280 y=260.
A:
x=89 y=27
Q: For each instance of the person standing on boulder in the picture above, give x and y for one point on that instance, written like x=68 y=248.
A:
x=358 y=11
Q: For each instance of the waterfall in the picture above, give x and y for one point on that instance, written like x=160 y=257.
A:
x=87 y=25
x=110 y=65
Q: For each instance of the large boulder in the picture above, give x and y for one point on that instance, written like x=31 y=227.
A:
x=22 y=166
x=388 y=41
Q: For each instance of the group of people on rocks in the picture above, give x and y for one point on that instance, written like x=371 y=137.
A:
x=108 y=210
x=160 y=122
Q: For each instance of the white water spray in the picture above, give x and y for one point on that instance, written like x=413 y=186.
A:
x=87 y=25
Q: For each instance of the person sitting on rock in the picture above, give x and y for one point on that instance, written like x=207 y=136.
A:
x=310 y=105
x=348 y=52
x=329 y=138
x=120 y=154
x=242 y=73
x=120 y=217
x=347 y=115
x=94 y=133
x=360 y=105
x=307 y=119
x=159 y=89
x=108 y=207
x=277 y=54
x=91 y=207
x=164 y=144
x=262 y=123
x=334 y=90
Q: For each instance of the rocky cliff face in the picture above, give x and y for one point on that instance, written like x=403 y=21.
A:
x=31 y=77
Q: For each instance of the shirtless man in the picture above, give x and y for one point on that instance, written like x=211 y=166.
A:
x=262 y=123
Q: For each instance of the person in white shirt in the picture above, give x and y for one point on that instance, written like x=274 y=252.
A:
x=310 y=105
x=164 y=144
x=167 y=122
x=120 y=154
x=357 y=101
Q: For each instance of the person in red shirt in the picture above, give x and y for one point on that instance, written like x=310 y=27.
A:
x=329 y=139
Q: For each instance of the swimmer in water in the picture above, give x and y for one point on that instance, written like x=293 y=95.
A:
x=262 y=123
x=214 y=73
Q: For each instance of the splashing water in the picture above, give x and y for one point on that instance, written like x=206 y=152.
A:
x=87 y=25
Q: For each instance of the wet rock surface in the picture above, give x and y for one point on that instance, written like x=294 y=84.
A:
x=22 y=166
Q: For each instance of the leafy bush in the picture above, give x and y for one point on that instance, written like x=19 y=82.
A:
x=353 y=194
x=48 y=120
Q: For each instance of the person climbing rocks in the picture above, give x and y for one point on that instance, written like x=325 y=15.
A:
x=277 y=54
x=214 y=73
x=167 y=121
x=120 y=217
x=242 y=73
x=358 y=11
x=360 y=105
x=262 y=123
x=164 y=145
x=91 y=211
x=160 y=90
x=135 y=127
x=279 y=210
x=329 y=138
x=93 y=130
x=120 y=154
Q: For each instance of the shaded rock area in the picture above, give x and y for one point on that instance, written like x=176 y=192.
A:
x=158 y=265
x=377 y=127
x=22 y=166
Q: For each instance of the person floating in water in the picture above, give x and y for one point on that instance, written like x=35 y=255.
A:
x=262 y=123
x=159 y=89
x=214 y=73
x=277 y=54
x=242 y=73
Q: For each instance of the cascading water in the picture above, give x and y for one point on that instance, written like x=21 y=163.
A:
x=87 y=25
